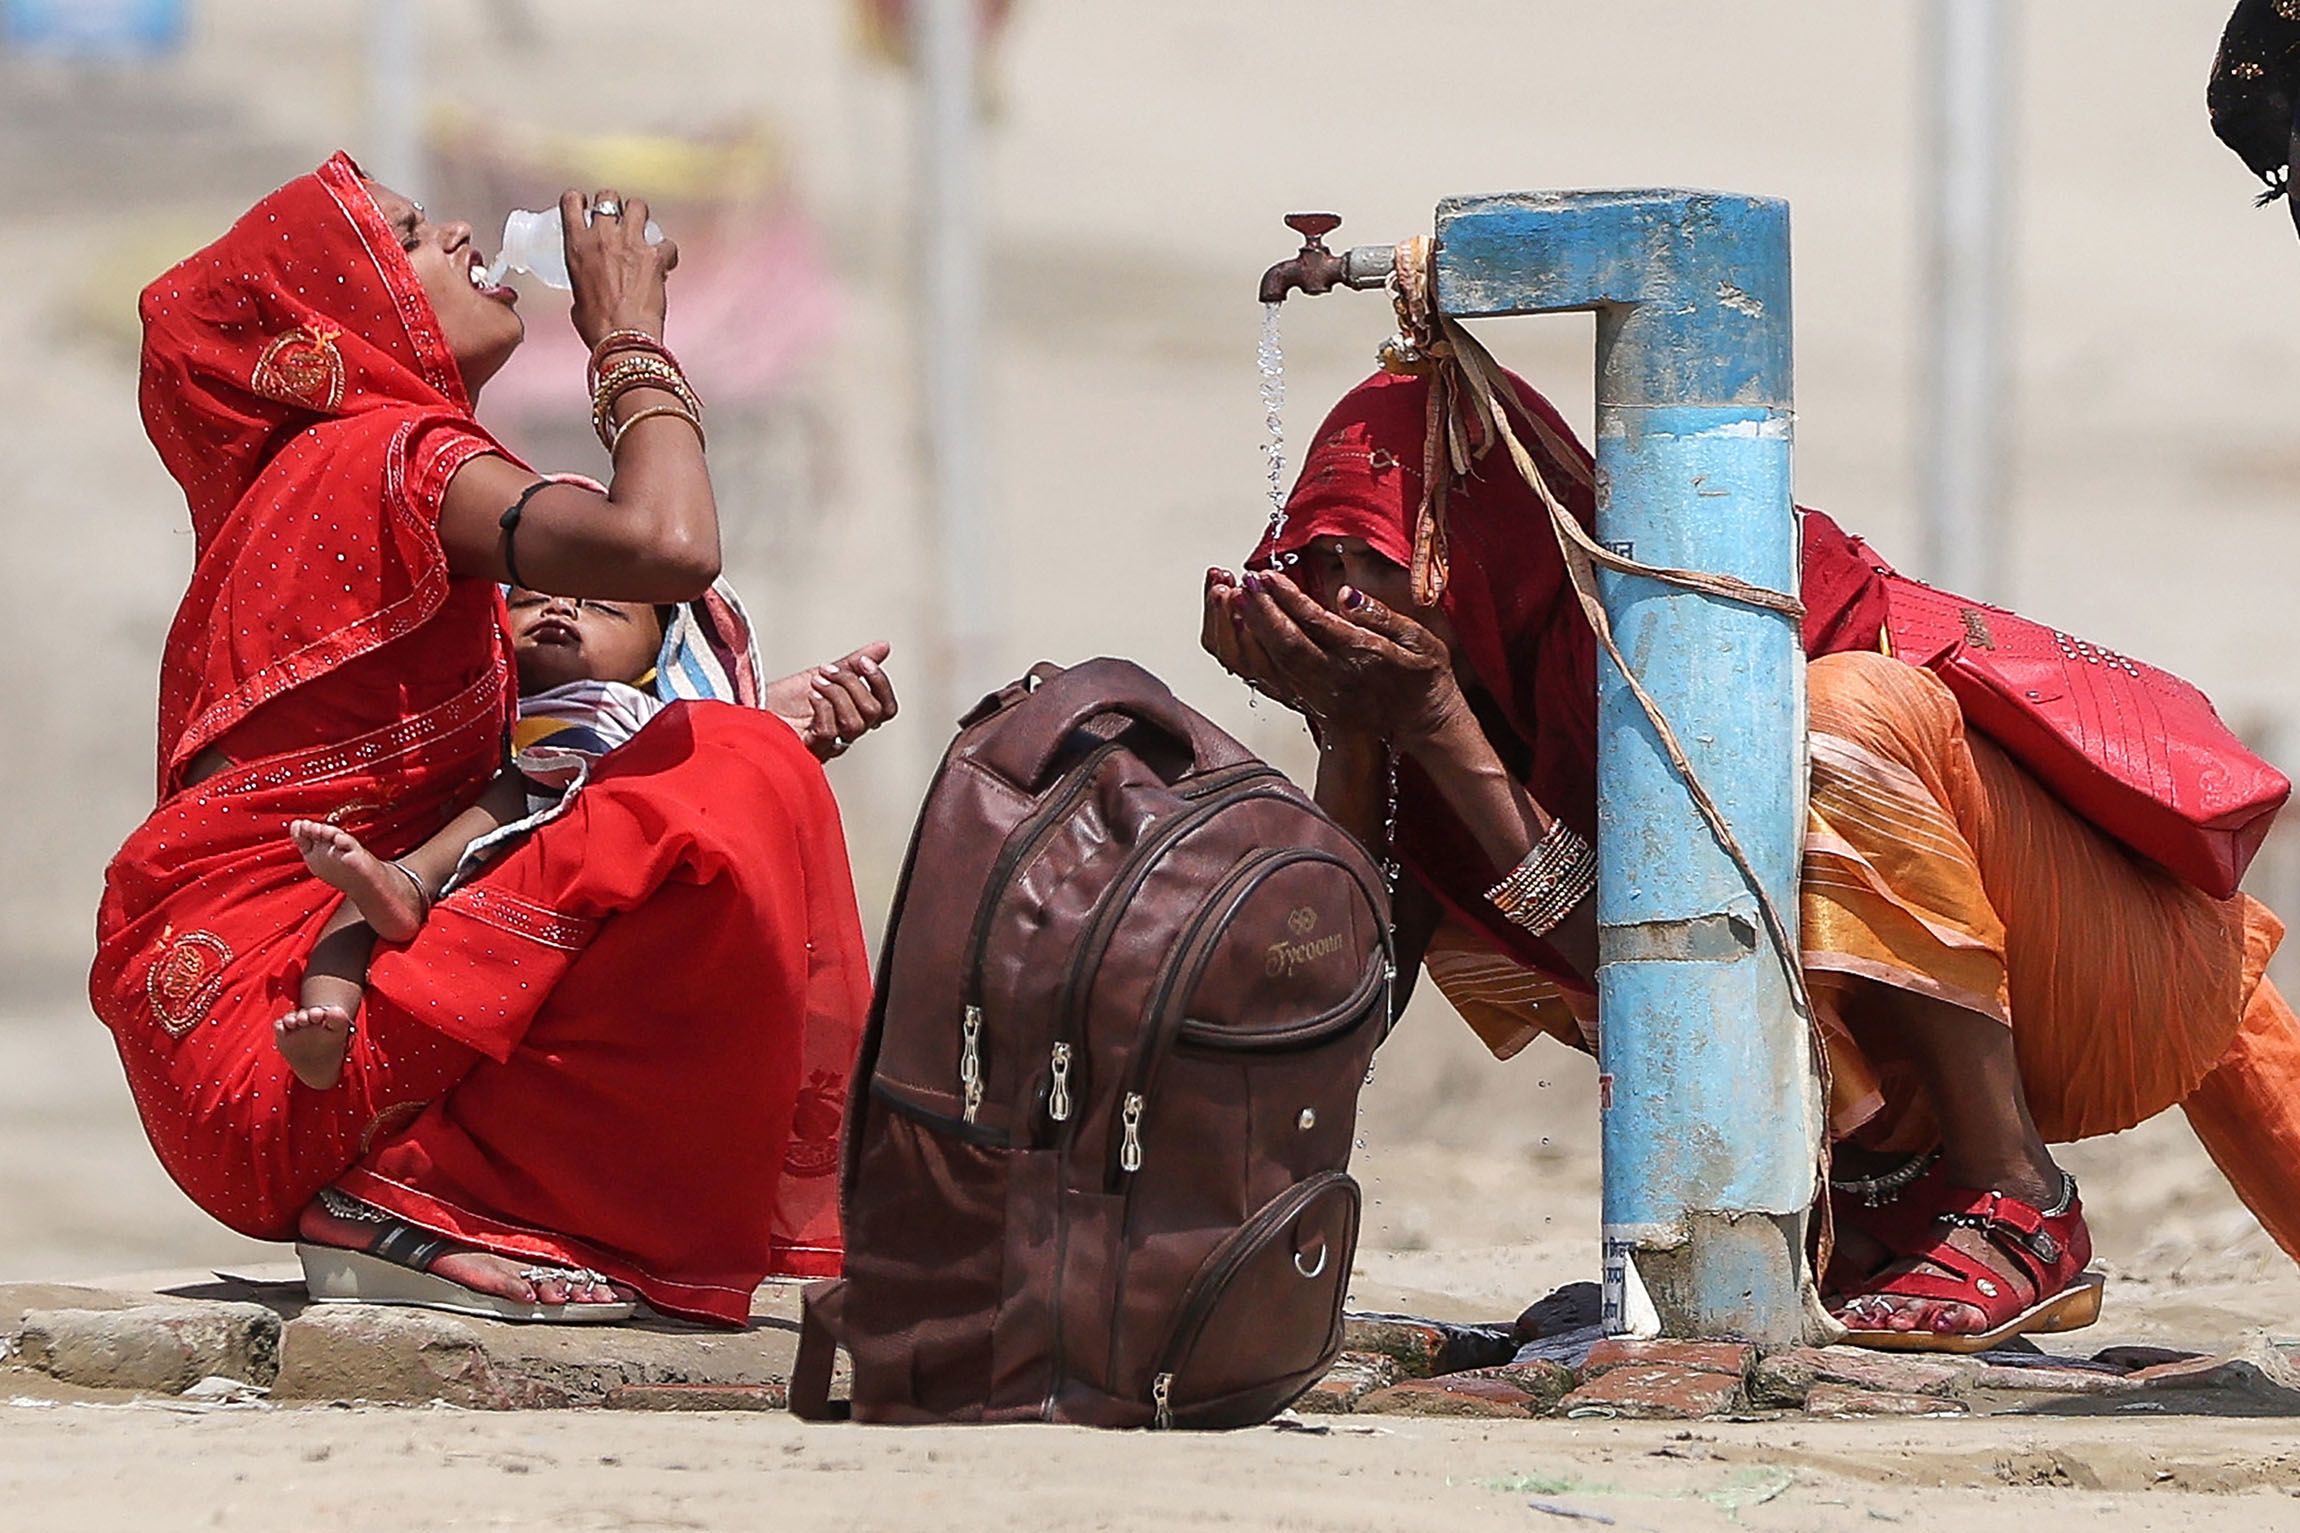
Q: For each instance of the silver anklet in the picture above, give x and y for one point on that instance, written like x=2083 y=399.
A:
x=344 y=1206
x=1885 y=1186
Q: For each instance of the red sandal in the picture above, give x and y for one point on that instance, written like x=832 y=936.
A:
x=2049 y=1292
x=1895 y=1211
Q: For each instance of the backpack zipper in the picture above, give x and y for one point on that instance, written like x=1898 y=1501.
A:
x=1131 y=875
x=1058 y=1096
x=1115 y=901
x=1206 y=1288
x=1130 y=1146
x=1190 y=958
x=1019 y=849
x=970 y=1062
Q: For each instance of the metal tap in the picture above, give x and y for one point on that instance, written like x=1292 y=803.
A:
x=1315 y=269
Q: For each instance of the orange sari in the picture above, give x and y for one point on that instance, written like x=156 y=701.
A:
x=1934 y=864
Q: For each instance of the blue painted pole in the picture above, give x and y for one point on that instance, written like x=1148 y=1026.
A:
x=1710 y=1107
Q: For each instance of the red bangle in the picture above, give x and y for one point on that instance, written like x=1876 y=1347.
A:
x=623 y=340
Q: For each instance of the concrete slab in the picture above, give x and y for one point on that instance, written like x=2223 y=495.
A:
x=161 y=1332
x=164 y=1348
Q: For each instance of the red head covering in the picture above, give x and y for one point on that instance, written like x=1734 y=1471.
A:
x=1514 y=614
x=297 y=386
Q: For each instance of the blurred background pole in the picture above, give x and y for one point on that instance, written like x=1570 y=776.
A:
x=394 y=150
x=948 y=246
x=1960 y=437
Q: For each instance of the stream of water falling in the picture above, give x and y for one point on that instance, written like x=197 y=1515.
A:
x=1271 y=358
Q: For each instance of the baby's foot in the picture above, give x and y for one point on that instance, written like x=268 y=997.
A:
x=383 y=892
x=313 y=1040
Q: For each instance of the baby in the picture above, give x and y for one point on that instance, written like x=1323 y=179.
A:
x=583 y=666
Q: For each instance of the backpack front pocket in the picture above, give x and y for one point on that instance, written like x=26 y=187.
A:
x=1263 y=1316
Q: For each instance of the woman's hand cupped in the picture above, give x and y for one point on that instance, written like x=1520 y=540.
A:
x=1364 y=669
x=832 y=706
x=1224 y=635
x=617 y=276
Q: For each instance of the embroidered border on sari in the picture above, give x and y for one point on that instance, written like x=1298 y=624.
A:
x=478 y=705
x=522 y=918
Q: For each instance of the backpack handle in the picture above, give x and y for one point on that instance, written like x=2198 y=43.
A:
x=1033 y=733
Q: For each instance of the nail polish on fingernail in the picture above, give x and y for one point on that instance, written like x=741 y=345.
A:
x=1353 y=598
x=1255 y=582
x=866 y=665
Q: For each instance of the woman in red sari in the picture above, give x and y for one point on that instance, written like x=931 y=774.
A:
x=1992 y=974
x=614 y=1063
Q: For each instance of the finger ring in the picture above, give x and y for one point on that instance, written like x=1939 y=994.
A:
x=607 y=207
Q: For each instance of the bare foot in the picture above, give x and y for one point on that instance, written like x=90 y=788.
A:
x=383 y=892
x=313 y=1040
x=479 y=1270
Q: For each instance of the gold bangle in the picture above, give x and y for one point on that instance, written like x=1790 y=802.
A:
x=613 y=389
x=636 y=371
x=649 y=413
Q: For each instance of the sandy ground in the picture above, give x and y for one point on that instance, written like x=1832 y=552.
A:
x=1139 y=162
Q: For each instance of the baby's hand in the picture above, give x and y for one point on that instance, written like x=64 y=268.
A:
x=834 y=705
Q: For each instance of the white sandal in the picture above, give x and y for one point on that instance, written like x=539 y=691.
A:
x=396 y=1269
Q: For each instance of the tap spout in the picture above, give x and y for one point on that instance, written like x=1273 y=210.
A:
x=1311 y=269
x=1315 y=269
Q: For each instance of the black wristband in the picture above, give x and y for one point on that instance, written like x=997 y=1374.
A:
x=509 y=522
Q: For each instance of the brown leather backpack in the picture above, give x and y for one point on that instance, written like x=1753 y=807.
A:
x=1095 y=1165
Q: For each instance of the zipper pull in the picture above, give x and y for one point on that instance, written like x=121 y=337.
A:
x=1130 y=1148
x=1162 y=1401
x=1058 y=1100
x=970 y=1061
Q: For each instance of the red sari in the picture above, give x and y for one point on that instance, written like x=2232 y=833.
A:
x=625 y=1045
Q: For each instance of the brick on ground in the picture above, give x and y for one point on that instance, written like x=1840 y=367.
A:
x=2002 y=1378
x=2257 y=1373
x=698 y=1397
x=165 y=1347
x=1486 y=1393
x=1426 y=1348
x=1353 y=1376
x=1783 y=1379
x=1656 y=1391
x=1844 y=1401
x=1731 y=1357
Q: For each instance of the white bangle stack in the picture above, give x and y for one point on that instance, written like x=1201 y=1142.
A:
x=1555 y=877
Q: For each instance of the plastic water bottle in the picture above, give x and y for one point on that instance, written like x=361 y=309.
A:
x=536 y=243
